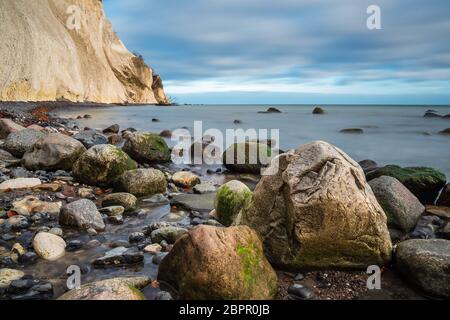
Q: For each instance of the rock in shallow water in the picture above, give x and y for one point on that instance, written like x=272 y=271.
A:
x=318 y=211
x=90 y=138
x=143 y=182
x=300 y=292
x=169 y=234
x=218 y=263
x=147 y=148
x=82 y=214
x=426 y=263
x=9 y=275
x=118 y=257
x=185 y=179
x=402 y=208
x=424 y=183
x=49 y=246
x=248 y=157
x=126 y=200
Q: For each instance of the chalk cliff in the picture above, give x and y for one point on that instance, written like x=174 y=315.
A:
x=67 y=50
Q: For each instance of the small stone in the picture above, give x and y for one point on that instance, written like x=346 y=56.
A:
x=120 y=256
x=299 y=277
x=113 y=211
x=136 y=237
x=91 y=232
x=163 y=296
x=169 y=234
x=153 y=248
x=19 y=183
x=28 y=258
x=48 y=246
x=74 y=245
x=115 y=128
x=57 y=232
x=125 y=200
x=82 y=214
x=300 y=292
x=204 y=188
x=84 y=192
x=185 y=179
x=93 y=244
x=117 y=219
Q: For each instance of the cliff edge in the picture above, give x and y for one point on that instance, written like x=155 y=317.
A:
x=67 y=50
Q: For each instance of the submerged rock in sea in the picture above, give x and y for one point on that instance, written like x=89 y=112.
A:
x=231 y=198
x=53 y=152
x=102 y=165
x=445 y=131
x=318 y=110
x=271 y=110
x=352 y=131
x=110 y=289
x=318 y=211
x=402 y=208
x=426 y=263
x=219 y=264
x=147 y=148
x=19 y=142
x=424 y=183
x=143 y=182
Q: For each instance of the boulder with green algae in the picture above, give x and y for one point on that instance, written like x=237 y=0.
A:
x=424 y=183
x=101 y=165
x=147 y=148
x=230 y=199
x=318 y=212
x=126 y=288
x=247 y=157
x=143 y=182
x=219 y=264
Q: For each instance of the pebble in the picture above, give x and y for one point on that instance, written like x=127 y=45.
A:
x=74 y=245
x=28 y=258
x=136 y=237
x=299 y=277
x=163 y=296
x=153 y=248
x=300 y=292
x=116 y=219
x=113 y=210
x=56 y=231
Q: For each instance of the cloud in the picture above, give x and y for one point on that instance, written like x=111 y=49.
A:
x=302 y=46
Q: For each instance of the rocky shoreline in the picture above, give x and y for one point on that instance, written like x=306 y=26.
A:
x=141 y=227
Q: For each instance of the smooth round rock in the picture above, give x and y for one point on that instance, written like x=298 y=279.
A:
x=49 y=246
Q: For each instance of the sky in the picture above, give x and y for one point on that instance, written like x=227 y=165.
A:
x=291 y=51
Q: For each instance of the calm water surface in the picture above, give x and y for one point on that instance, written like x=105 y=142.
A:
x=392 y=134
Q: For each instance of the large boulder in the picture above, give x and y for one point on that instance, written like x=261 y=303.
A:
x=147 y=148
x=317 y=211
x=424 y=183
x=49 y=246
x=444 y=198
x=90 y=138
x=219 y=264
x=102 y=165
x=247 y=157
x=19 y=142
x=230 y=199
x=82 y=214
x=55 y=151
x=402 y=208
x=426 y=263
x=110 y=289
x=143 y=182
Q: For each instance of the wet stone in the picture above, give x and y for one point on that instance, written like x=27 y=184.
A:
x=74 y=245
x=136 y=237
x=28 y=258
x=118 y=257
x=300 y=292
x=163 y=296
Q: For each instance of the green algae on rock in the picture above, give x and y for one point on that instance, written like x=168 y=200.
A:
x=424 y=183
x=230 y=199
x=219 y=264
x=147 y=148
x=101 y=165
x=143 y=182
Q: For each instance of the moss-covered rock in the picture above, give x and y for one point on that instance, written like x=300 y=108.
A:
x=147 y=148
x=230 y=199
x=219 y=264
x=424 y=183
x=143 y=182
x=247 y=157
x=101 y=165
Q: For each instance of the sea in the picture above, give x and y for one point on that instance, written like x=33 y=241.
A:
x=392 y=134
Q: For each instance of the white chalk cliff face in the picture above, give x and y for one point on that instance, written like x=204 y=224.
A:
x=67 y=50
